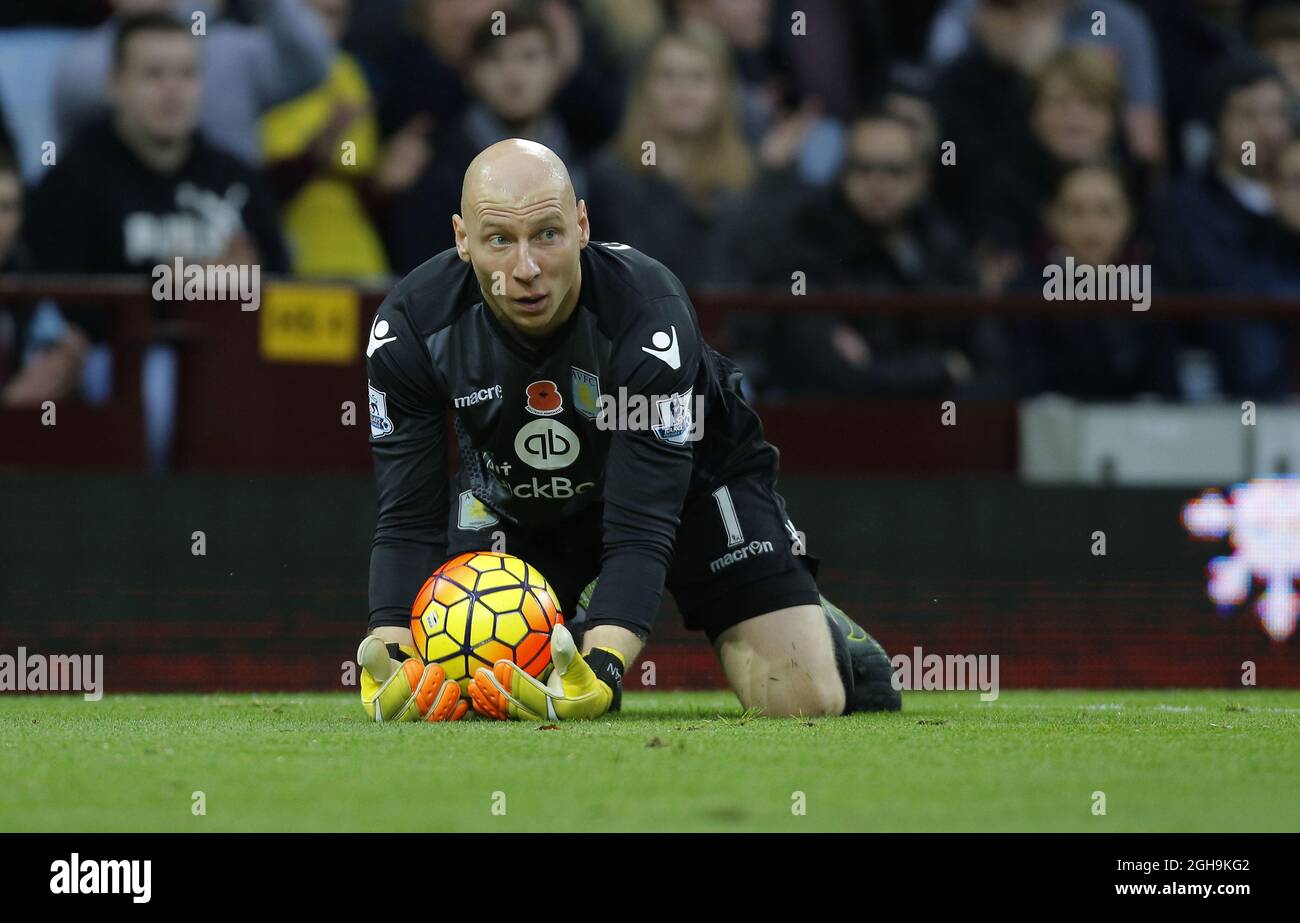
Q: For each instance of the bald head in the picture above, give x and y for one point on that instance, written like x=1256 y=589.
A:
x=515 y=173
x=523 y=229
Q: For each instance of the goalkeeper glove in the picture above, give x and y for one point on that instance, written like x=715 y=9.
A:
x=578 y=687
x=396 y=686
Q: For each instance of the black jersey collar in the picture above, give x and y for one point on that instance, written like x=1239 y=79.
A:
x=529 y=348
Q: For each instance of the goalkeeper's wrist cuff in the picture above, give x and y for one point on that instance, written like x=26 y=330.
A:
x=608 y=667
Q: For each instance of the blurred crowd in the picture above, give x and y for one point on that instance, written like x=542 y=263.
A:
x=846 y=146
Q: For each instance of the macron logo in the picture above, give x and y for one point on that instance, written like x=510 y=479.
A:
x=477 y=397
x=665 y=348
x=380 y=329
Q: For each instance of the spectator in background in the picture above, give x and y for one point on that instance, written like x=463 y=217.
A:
x=323 y=187
x=629 y=27
x=422 y=76
x=909 y=95
x=1090 y=217
x=1194 y=37
x=246 y=69
x=1074 y=119
x=849 y=48
x=1218 y=232
x=1125 y=35
x=11 y=211
x=746 y=26
x=514 y=79
x=6 y=138
x=876 y=231
x=984 y=99
x=30 y=372
x=45 y=12
x=1286 y=198
x=144 y=187
x=424 y=89
x=1275 y=33
x=1077 y=101
x=783 y=124
x=12 y=322
x=1217 y=225
x=680 y=157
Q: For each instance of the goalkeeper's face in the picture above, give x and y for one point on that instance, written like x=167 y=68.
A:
x=523 y=230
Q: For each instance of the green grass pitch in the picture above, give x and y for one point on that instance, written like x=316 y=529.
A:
x=1167 y=760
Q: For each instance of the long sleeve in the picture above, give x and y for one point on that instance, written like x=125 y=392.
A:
x=408 y=441
x=648 y=469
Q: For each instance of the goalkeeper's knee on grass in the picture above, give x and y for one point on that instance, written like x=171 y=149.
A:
x=863 y=665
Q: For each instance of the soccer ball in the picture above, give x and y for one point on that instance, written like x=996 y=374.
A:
x=481 y=607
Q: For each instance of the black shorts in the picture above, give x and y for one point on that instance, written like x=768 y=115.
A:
x=737 y=556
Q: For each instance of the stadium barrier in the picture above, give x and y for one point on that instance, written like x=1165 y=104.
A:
x=268 y=390
x=1070 y=442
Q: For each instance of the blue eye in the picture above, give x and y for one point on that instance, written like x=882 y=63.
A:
x=550 y=234
x=497 y=240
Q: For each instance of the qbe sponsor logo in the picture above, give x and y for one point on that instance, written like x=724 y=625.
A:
x=547 y=444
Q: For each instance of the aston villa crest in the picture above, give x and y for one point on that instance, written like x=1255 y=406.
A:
x=586 y=393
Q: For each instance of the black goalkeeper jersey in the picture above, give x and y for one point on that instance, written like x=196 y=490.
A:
x=624 y=408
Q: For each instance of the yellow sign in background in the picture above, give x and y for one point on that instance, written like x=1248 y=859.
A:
x=310 y=323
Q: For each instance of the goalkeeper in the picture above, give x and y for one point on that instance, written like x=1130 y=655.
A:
x=606 y=444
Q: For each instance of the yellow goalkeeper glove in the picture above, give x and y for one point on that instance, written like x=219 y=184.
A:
x=574 y=690
x=405 y=690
